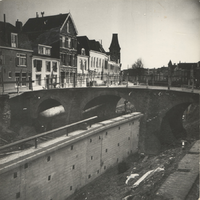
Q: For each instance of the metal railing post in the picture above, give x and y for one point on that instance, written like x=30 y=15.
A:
x=36 y=140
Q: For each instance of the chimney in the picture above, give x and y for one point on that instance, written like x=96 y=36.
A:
x=42 y=13
x=100 y=41
x=37 y=15
x=18 y=26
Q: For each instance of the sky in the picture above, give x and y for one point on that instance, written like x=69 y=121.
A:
x=155 y=31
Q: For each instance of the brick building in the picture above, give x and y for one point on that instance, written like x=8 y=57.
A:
x=58 y=32
x=15 y=58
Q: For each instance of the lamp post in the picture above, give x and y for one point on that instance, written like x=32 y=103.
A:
x=127 y=79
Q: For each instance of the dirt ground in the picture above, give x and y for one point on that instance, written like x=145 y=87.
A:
x=111 y=185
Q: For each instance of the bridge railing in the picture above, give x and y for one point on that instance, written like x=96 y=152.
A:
x=36 y=137
x=92 y=80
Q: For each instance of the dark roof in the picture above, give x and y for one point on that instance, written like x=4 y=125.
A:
x=187 y=65
x=114 y=43
x=48 y=37
x=44 y=23
x=83 y=42
x=5 y=37
x=96 y=46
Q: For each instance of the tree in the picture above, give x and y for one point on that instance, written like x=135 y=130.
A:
x=138 y=67
x=138 y=64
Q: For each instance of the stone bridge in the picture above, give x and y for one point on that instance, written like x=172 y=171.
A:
x=162 y=109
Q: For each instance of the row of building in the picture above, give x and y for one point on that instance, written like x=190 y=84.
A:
x=46 y=52
x=179 y=74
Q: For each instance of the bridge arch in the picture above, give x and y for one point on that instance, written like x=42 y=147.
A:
x=103 y=106
x=172 y=124
x=48 y=114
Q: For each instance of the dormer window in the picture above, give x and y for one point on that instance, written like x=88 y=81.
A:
x=14 y=40
x=82 y=51
x=44 y=50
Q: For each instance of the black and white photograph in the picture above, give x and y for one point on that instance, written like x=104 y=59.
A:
x=99 y=99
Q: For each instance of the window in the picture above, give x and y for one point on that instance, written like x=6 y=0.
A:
x=71 y=60
x=25 y=165
x=69 y=42
x=48 y=158
x=54 y=66
x=66 y=42
x=38 y=65
x=9 y=74
x=23 y=79
x=44 y=50
x=85 y=64
x=17 y=195
x=81 y=64
x=21 y=59
x=2 y=58
x=82 y=51
x=97 y=62
x=74 y=43
x=63 y=58
x=48 y=66
x=63 y=41
x=14 y=40
x=40 y=50
x=38 y=79
x=91 y=61
x=15 y=175
x=48 y=51
x=106 y=65
x=68 y=27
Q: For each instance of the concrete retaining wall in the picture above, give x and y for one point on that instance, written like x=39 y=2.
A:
x=59 y=167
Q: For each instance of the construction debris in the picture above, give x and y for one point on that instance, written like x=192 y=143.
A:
x=128 y=197
x=130 y=177
x=146 y=175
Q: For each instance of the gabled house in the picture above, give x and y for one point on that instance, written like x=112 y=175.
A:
x=15 y=58
x=57 y=32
